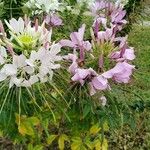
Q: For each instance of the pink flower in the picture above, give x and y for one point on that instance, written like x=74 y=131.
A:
x=107 y=35
x=98 y=83
x=97 y=6
x=128 y=54
x=74 y=65
x=120 y=73
x=53 y=20
x=77 y=41
x=82 y=74
x=117 y=16
x=100 y=21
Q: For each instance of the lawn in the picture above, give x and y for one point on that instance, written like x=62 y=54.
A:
x=136 y=96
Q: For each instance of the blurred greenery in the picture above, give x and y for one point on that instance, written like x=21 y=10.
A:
x=11 y=8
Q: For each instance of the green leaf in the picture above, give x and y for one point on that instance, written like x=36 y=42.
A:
x=95 y=129
x=76 y=144
x=105 y=126
x=86 y=111
x=26 y=125
x=34 y=120
x=97 y=144
x=61 y=141
x=37 y=147
x=105 y=144
x=51 y=138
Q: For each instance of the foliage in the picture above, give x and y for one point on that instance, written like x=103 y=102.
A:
x=12 y=8
x=62 y=114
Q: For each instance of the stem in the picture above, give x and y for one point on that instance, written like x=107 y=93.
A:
x=4 y=101
x=81 y=54
x=19 y=105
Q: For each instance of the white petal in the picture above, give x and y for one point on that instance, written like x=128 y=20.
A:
x=2 y=76
x=3 y=51
x=19 y=61
x=29 y=69
x=9 y=69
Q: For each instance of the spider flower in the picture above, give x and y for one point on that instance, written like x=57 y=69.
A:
x=120 y=73
x=39 y=6
x=38 y=67
x=77 y=42
x=128 y=54
x=3 y=55
x=53 y=20
x=24 y=36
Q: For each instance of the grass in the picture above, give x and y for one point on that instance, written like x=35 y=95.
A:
x=137 y=97
x=140 y=39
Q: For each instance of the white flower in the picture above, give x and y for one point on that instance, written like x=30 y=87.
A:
x=88 y=2
x=26 y=35
x=27 y=83
x=103 y=100
x=39 y=6
x=3 y=55
x=9 y=69
x=19 y=61
x=121 y=2
x=44 y=61
x=16 y=26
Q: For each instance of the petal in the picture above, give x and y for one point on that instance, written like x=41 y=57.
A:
x=19 y=61
x=92 y=90
x=81 y=32
x=3 y=76
x=67 y=43
x=87 y=45
x=9 y=69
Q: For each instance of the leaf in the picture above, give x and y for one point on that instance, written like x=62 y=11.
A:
x=25 y=128
x=105 y=144
x=76 y=144
x=26 y=125
x=51 y=138
x=95 y=129
x=61 y=141
x=97 y=144
x=105 y=126
x=37 y=147
x=30 y=146
x=86 y=111
x=34 y=120
x=89 y=144
x=1 y=133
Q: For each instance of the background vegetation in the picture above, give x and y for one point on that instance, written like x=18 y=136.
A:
x=127 y=126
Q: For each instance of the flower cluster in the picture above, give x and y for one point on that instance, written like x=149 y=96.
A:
x=40 y=6
x=107 y=51
x=28 y=56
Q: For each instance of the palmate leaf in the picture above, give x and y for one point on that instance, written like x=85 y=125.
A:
x=25 y=125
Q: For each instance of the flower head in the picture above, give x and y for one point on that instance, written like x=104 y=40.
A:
x=77 y=42
x=26 y=36
x=120 y=73
x=53 y=20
